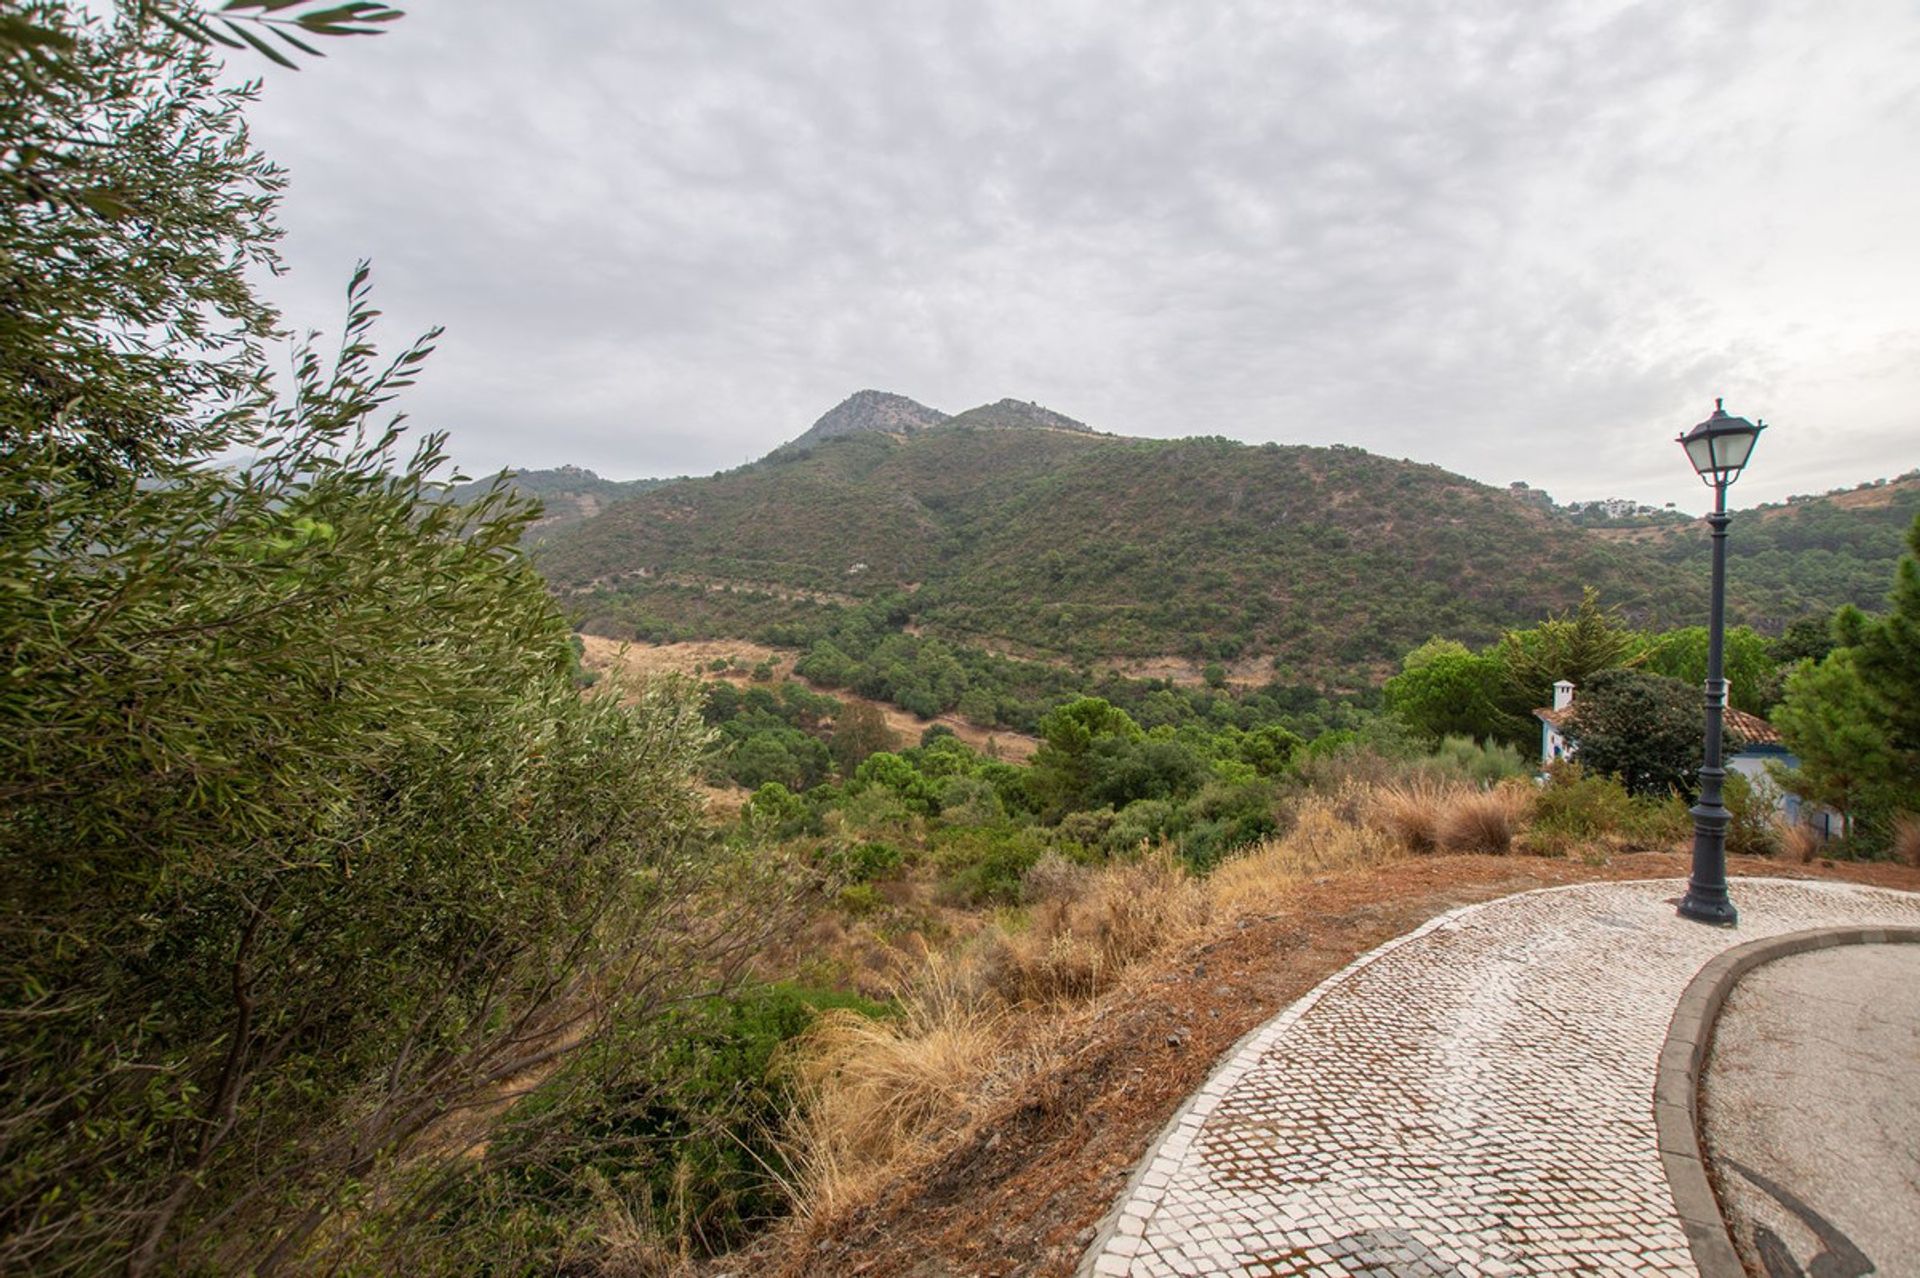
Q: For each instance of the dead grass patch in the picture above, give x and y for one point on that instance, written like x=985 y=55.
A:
x=872 y=1093
x=1484 y=821
x=1906 y=838
x=1425 y=815
x=1799 y=842
x=1078 y=942
x=870 y=1090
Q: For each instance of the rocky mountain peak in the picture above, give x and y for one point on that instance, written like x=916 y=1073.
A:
x=871 y=410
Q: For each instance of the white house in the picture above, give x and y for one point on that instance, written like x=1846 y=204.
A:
x=1753 y=743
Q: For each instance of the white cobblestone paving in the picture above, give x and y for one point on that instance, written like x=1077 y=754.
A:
x=1472 y=1099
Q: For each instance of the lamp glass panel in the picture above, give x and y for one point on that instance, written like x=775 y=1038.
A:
x=1732 y=449
x=1700 y=452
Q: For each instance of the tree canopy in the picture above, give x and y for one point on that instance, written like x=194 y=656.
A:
x=1643 y=728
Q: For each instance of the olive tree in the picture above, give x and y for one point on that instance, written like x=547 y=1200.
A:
x=308 y=843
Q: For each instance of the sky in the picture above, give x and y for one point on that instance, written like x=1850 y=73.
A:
x=1520 y=241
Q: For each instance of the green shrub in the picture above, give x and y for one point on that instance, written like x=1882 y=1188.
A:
x=864 y=862
x=1143 y=822
x=676 y=1124
x=859 y=899
x=1483 y=763
x=1751 y=830
x=1657 y=824
x=1578 y=805
x=988 y=865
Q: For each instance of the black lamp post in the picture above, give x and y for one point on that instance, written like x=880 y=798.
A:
x=1718 y=448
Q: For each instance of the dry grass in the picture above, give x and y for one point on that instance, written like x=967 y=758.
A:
x=873 y=1092
x=1906 y=838
x=1424 y=815
x=1410 y=811
x=1080 y=941
x=1799 y=842
x=625 y=1244
x=1324 y=838
x=870 y=1090
x=1485 y=821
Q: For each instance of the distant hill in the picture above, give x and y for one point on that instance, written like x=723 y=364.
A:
x=1019 y=414
x=568 y=494
x=1067 y=544
x=1804 y=555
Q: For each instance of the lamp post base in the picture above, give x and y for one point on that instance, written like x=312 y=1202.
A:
x=1708 y=905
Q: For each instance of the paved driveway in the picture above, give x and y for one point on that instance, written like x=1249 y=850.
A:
x=1474 y=1098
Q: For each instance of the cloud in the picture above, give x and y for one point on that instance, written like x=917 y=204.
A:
x=1520 y=243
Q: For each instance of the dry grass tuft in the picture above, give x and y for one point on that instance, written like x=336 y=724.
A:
x=1906 y=838
x=1054 y=878
x=1484 y=821
x=1410 y=811
x=1079 y=943
x=1799 y=842
x=1324 y=838
x=870 y=1090
x=1425 y=815
x=625 y=1244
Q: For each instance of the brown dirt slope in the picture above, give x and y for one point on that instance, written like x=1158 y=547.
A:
x=648 y=659
x=1020 y=1189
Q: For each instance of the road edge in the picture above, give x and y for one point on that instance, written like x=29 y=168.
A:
x=1676 y=1093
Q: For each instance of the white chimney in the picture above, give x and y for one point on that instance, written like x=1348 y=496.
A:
x=1563 y=694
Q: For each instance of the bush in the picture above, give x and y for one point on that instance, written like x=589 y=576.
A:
x=1142 y=823
x=678 y=1126
x=1657 y=824
x=1751 y=830
x=297 y=764
x=1579 y=806
x=1483 y=763
x=989 y=864
x=864 y=862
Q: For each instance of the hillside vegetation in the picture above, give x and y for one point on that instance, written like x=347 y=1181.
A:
x=1063 y=544
x=1807 y=554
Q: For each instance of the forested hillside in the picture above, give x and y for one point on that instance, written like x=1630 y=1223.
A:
x=1069 y=545
x=1808 y=554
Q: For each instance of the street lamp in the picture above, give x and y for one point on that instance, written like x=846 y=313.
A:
x=1718 y=448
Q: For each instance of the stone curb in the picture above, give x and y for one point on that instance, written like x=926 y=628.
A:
x=1676 y=1093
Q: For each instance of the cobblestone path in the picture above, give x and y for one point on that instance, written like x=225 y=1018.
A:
x=1473 y=1098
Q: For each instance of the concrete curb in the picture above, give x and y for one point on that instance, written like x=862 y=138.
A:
x=1676 y=1092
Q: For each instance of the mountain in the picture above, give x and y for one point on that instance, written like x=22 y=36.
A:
x=868 y=411
x=568 y=494
x=1067 y=544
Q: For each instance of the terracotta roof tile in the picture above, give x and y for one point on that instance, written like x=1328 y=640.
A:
x=1750 y=728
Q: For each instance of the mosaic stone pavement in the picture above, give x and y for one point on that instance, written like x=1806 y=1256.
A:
x=1472 y=1099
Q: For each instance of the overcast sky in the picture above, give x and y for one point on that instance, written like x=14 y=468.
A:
x=1523 y=241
